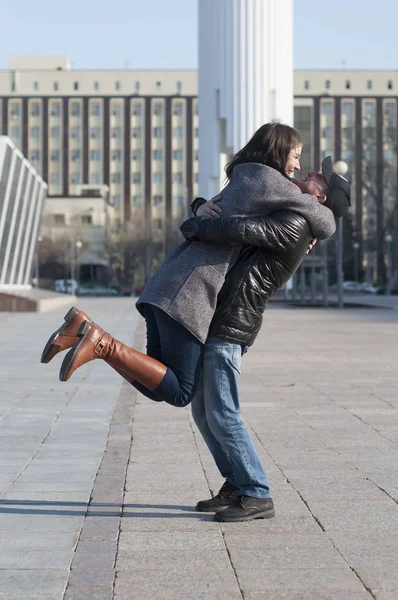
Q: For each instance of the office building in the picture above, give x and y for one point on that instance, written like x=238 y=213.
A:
x=137 y=132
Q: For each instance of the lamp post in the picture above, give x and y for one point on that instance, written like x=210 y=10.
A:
x=74 y=247
x=355 y=246
x=388 y=240
x=341 y=168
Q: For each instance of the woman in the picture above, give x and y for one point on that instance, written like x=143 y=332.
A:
x=180 y=300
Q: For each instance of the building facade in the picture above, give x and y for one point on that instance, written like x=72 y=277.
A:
x=137 y=132
x=22 y=194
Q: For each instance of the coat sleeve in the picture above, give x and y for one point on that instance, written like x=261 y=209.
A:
x=278 y=231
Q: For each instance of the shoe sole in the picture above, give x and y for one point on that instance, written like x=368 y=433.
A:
x=212 y=510
x=267 y=514
x=51 y=349
x=64 y=373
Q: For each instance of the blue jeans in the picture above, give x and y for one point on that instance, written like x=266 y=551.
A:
x=180 y=351
x=216 y=412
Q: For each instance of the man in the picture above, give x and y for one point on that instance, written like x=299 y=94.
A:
x=253 y=279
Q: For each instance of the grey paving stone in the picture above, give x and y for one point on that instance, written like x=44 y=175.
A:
x=35 y=559
x=89 y=577
x=310 y=595
x=206 y=584
x=33 y=584
x=270 y=580
x=162 y=541
x=82 y=593
x=97 y=553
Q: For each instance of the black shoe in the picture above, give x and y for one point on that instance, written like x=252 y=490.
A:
x=225 y=497
x=247 y=508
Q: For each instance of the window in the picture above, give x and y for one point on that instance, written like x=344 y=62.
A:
x=96 y=109
x=348 y=84
x=306 y=84
x=327 y=109
x=196 y=132
x=36 y=86
x=178 y=201
x=55 y=133
x=59 y=219
x=389 y=84
x=157 y=224
x=369 y=84
x=327 y=84
x=117 y=132
x=178 y=154
x=75 y=85
x=117 y=86
x=196 y=108
x=116 y=178
x=87 y=220
x=75 y=109
x=95 y=132
x=95 y=178
x=35 y=132
x=136 y=132
x=178 y=132
x=177 y=178
x=158 y=177
x=158 y=85
x=137 y=87
x=137 y=110
x=157 y=200
x=96 y=86
x=56 y=110
x=136 y=155
x=116 y=110
x=116 y=155
x=35 y=109
x=196 y=155
x=116 y=200
x=178 y=109
x=75 y=155
x=55 y=178
x=196 y=177
x=55 y=86
x=15 y=132
x=158 y=109
x=75 y=178
x=179 y=87
x=158 y=155
x=15 y=110
x=35 y=155
x=136 y=178
x=157 y=132
x=75 y=133
x=54 y=155
x=137 y=201
x=95 y=155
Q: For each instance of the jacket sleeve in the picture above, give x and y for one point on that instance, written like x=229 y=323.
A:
x=277 y=231
x=196 y=203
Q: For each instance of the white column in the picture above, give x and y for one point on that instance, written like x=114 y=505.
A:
x=245 y=77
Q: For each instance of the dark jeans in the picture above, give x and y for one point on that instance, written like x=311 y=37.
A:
x=180 y=351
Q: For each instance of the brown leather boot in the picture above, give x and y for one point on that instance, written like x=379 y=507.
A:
x=94 y=343
x=66 y=336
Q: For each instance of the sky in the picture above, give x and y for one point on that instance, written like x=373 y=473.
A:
x=162 y=34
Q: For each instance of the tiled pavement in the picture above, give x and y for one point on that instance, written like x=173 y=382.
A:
x=319 y=394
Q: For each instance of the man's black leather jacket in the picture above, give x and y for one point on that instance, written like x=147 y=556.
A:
x=272 y=249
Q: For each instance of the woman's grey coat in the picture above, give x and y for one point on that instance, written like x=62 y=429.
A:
x=188 y=281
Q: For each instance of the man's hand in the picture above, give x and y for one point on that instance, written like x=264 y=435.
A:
x=311 y=245
x=210 y=209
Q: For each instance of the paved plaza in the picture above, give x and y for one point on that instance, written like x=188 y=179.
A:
x=98 y=484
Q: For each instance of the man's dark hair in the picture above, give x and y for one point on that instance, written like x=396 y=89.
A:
x=270 y=146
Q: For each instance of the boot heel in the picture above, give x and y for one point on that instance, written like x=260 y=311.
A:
x=84 y=329
x=71 y=314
